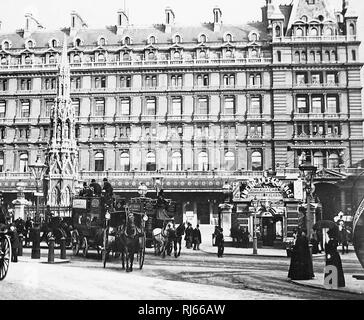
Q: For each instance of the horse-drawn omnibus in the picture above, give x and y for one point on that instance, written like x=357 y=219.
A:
x=88 y=222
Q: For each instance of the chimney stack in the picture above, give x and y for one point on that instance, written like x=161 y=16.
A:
x=123 y=22
x=217 y=19
x=169 y=20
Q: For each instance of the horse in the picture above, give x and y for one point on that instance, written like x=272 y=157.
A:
x=177 y=238
x=163 y=240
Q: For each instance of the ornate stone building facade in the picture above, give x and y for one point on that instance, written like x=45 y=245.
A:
x=194 y=105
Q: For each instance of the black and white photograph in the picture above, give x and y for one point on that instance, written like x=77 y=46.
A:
x=181 y=151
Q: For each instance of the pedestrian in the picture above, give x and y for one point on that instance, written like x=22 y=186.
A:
x=108 y=188
x=315 y=243
x=333 y=257
x=86 y=191
x=96 y=188
x=301 y=261
x=344 y=238
x=196 y=238
x=245 y=237
x=219 y=236
x=189 y=235
x=15 y=243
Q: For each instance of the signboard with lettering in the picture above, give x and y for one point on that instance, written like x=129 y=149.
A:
x=79 y=203
x=298 y=189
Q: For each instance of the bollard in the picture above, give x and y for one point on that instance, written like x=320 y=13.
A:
x=51 y=250
x=63 y=248
x=20 y=250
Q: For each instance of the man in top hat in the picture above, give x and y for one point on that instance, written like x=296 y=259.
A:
x=96 y=187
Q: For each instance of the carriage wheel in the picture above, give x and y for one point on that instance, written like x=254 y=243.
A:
x=141 y=251
x=84 y=247
x=75 y=242
x=5 y=257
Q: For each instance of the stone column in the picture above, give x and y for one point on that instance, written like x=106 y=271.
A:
x=20 y=202
x=225 y=214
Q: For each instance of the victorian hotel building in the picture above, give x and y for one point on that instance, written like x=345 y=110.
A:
x=204 y=109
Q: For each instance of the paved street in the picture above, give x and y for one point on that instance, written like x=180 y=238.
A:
x=195 y=275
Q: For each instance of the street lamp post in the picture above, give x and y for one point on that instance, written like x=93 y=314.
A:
x=226 y=190
x=38 y=170
x=255 y=202
x=308 y=171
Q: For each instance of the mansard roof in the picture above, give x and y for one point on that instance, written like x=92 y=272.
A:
x=140 y=34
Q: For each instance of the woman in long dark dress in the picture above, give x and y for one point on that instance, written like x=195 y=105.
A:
x=333 y=257
x=301 y=262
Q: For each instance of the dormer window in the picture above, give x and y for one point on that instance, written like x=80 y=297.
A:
x=299 y=32
x=52 y=59
x=30 y=44
x=351 y=29
x=304 y=18
x=101 y=57
x=53 y=43
x=177 y=39
x=152 y=40
x=228 y=37
x=202 y=54
x=228 y=54
x=254 y=53
x=151 y=55
x=6 y=45
x=126 y=56
x=177 y=55
x=78 y=42
x=253 y=37
x=314 y=32
x=102 y=42
x=127 y=40
x=202 y=38
x=4 y=61
x=28 y=60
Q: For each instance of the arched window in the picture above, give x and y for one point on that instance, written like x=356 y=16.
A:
x=318 y=56
x=4 y=61
x=202 y=54
x=228 y=54
x=99 y=161
x=202 y=38
x=150 y=163
x=23 y=163
x=318 y=160
x=299 y=32
x=101 y=57
x=152 y=40
x=254 y=53
x=177 y=39
x=30 y=44
x=6 y=45
x=126 y=56
x=304 y=56
x=228 y=38
x=52 y=59
x=329 y=32
x=304 y=18
x=78 y=42
x=102 y=42
x=279 y=56
x=177 y=55
x=257 y=161
x=254 y=37
x=127 y=40
x=176 y=161
x=333 y=55
x=67 y=197
x=278 y=31
x=312 y=56
x=296 y=56
x=229 y=161
x=314 y=32
x=351 y=29
x=76 y=58
x=28 y=60
x=151 y=55
x=1 y=161
x=56 y=196
x=333 y=160
x=203 y=161
x=125 y=161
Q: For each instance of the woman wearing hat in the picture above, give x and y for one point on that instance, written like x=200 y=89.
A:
x=333 y=257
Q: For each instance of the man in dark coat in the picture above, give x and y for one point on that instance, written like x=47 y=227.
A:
x=108 y=188
x=15 y=243
x=219 y=240
x=96 y=188
x=301 y=267
x=333 y=257
x=86 y=191
x=344 y=238
x=196 y=235
x=189 y=235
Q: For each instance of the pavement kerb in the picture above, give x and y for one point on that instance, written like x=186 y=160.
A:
x=318 y=286
x=44 y=260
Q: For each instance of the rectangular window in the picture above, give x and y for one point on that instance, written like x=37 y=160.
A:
x=76 y=83
x=229 y=105
x=353 y=55
x=302 y=105
x=202 y=106
x=124 y=131
x=150 y=81
x=255 y=106
x=317 y=105
x=100 y=107
x=77 y=131
x=331 y=78
x=125 y=107
x=48 y=107
x=3 y=84
x=202 y=80
x=255 y=79
x=151 y=106
x=2 y=133
x=332 y=105
x=25 y=84
x=316 y=78
x=176 y=106
x=2 y=109
x=125 y=81
x=303 y=129
x=255 y=130
x=76 y=106
x=25 y=109
x=301 y=78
